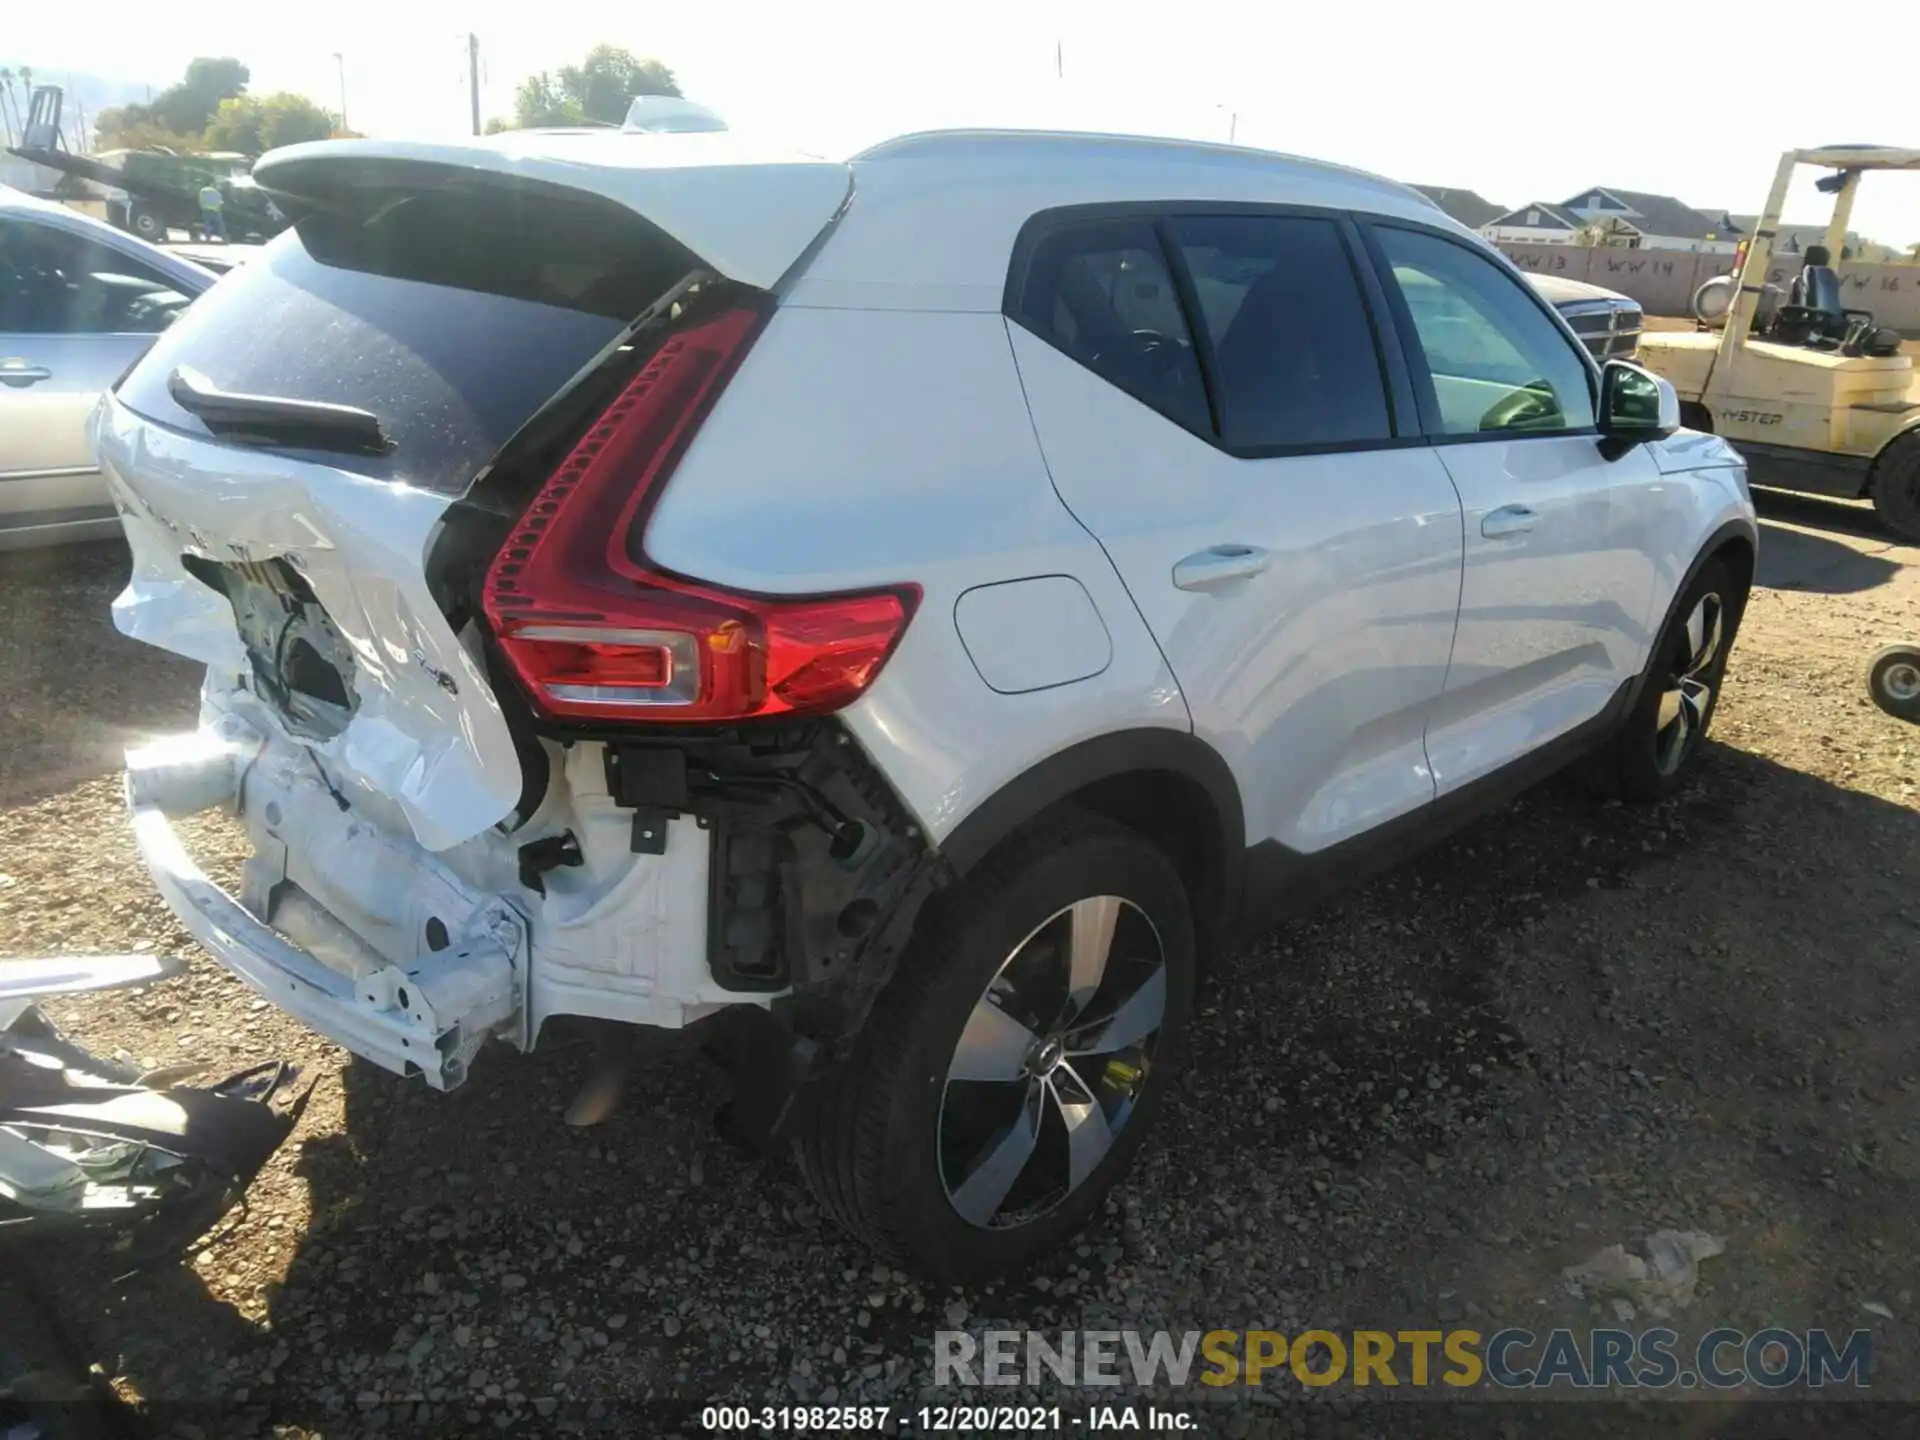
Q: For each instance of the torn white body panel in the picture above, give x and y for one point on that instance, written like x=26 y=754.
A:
x=408 y=957
x=427 y=729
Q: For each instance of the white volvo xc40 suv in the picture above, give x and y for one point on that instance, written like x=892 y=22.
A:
x=900 y=614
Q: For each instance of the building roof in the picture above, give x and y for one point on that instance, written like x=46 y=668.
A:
x=1801 y=236
x=1469 y=208
x=1658 y=214
x=1552 y=217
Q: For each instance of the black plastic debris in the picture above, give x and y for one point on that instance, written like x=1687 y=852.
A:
x=91 y=1155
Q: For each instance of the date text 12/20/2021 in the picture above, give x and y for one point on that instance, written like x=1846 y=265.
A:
x=943 y=1419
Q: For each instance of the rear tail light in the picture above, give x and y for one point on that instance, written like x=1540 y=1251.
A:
x=594 y=632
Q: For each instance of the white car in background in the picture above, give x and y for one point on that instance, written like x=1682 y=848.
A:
x=79 y=302
x=901 y=612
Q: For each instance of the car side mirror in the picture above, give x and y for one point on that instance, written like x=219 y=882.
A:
x=1636 y=406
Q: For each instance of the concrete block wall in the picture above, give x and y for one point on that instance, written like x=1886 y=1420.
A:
x=1663 y=281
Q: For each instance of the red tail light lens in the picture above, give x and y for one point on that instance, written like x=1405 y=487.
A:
x=591 y=633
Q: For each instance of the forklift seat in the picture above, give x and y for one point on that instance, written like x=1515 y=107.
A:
x=1817 y=288
x=1815 y=314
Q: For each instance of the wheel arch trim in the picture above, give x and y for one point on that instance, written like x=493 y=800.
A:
x=1114 y=756
x=1736 y=532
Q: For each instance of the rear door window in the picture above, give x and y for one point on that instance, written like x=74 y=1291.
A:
x=54 y=282
x=1293 y=355
x=451 y=314
x=1100 y=292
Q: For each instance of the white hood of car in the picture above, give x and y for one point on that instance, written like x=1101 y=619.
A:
x=1558 y=290
x=1694 y=450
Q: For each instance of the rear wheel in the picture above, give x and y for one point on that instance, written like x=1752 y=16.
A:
x=1659 y=744
x=147 y=225
x=1893 y=679
x=1009 y=1072
x=1896 y=488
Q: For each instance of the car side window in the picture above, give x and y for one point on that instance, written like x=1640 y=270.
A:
x=54 y=282
x=1100 y=292
x=1293 y=355
x=1499 y=365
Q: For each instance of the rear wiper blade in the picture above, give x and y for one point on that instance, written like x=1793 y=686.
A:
x=311 y=424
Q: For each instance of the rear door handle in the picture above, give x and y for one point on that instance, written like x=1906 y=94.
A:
x=1507 y=520
x=21 y=373
x=1218 y=564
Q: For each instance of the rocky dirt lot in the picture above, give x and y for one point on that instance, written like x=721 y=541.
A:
x=1573 y=1026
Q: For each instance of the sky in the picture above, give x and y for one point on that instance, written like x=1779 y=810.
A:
x=1518 y=102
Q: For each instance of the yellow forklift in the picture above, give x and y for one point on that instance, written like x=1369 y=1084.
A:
x=1818 y=397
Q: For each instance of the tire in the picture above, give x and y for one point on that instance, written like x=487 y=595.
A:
x=147 y=225
x=1893 y=679
x=963 y=1176
x=1658 y=746
x=1896 y=488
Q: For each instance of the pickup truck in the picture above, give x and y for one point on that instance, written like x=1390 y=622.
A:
x=1605 y=320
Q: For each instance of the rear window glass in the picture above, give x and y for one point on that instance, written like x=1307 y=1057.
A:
x=1100 y=291
x=1293 y=351
x=453 y=317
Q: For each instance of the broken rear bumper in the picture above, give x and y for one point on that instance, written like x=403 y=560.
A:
x=424 y=1015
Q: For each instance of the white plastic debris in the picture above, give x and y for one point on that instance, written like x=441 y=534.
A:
x=23 y=981
x=1662 y=1281
x=1874 y=1307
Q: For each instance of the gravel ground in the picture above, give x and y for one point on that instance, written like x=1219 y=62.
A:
x=1573 y=1026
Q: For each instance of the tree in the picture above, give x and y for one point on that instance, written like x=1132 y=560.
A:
x=132 y=127
x=14 y=104
x=1605 y=231
x=604 y=84
x=541 y=101
x=191 y=104
x=254 y=124
x=179 y=113
x=6 y=102
x=600 y=87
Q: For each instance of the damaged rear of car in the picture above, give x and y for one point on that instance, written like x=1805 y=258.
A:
x=497 y=766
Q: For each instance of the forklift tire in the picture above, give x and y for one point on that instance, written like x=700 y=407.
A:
x=1896 y=488
x=1893 y=679
x=147 y=225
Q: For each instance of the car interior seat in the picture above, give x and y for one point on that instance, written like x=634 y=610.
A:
x=1281 y=384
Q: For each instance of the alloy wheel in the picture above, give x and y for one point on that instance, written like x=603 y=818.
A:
x=1052 y=1063
x=1902 y=681
x=1688 y=697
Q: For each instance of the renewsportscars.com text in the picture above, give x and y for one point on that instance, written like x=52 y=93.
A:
x=1508 y=1359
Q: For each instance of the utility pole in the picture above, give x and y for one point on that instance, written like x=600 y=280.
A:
x=473 y=77
x=341 y=61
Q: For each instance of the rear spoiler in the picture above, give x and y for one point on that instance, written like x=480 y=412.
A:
x=746 y=212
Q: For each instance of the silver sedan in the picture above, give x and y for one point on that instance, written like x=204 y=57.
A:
x=79 y=303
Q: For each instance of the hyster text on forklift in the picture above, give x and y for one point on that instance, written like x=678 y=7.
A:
x=1818 y=397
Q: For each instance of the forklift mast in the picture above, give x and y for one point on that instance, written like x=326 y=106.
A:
x=42 y=130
